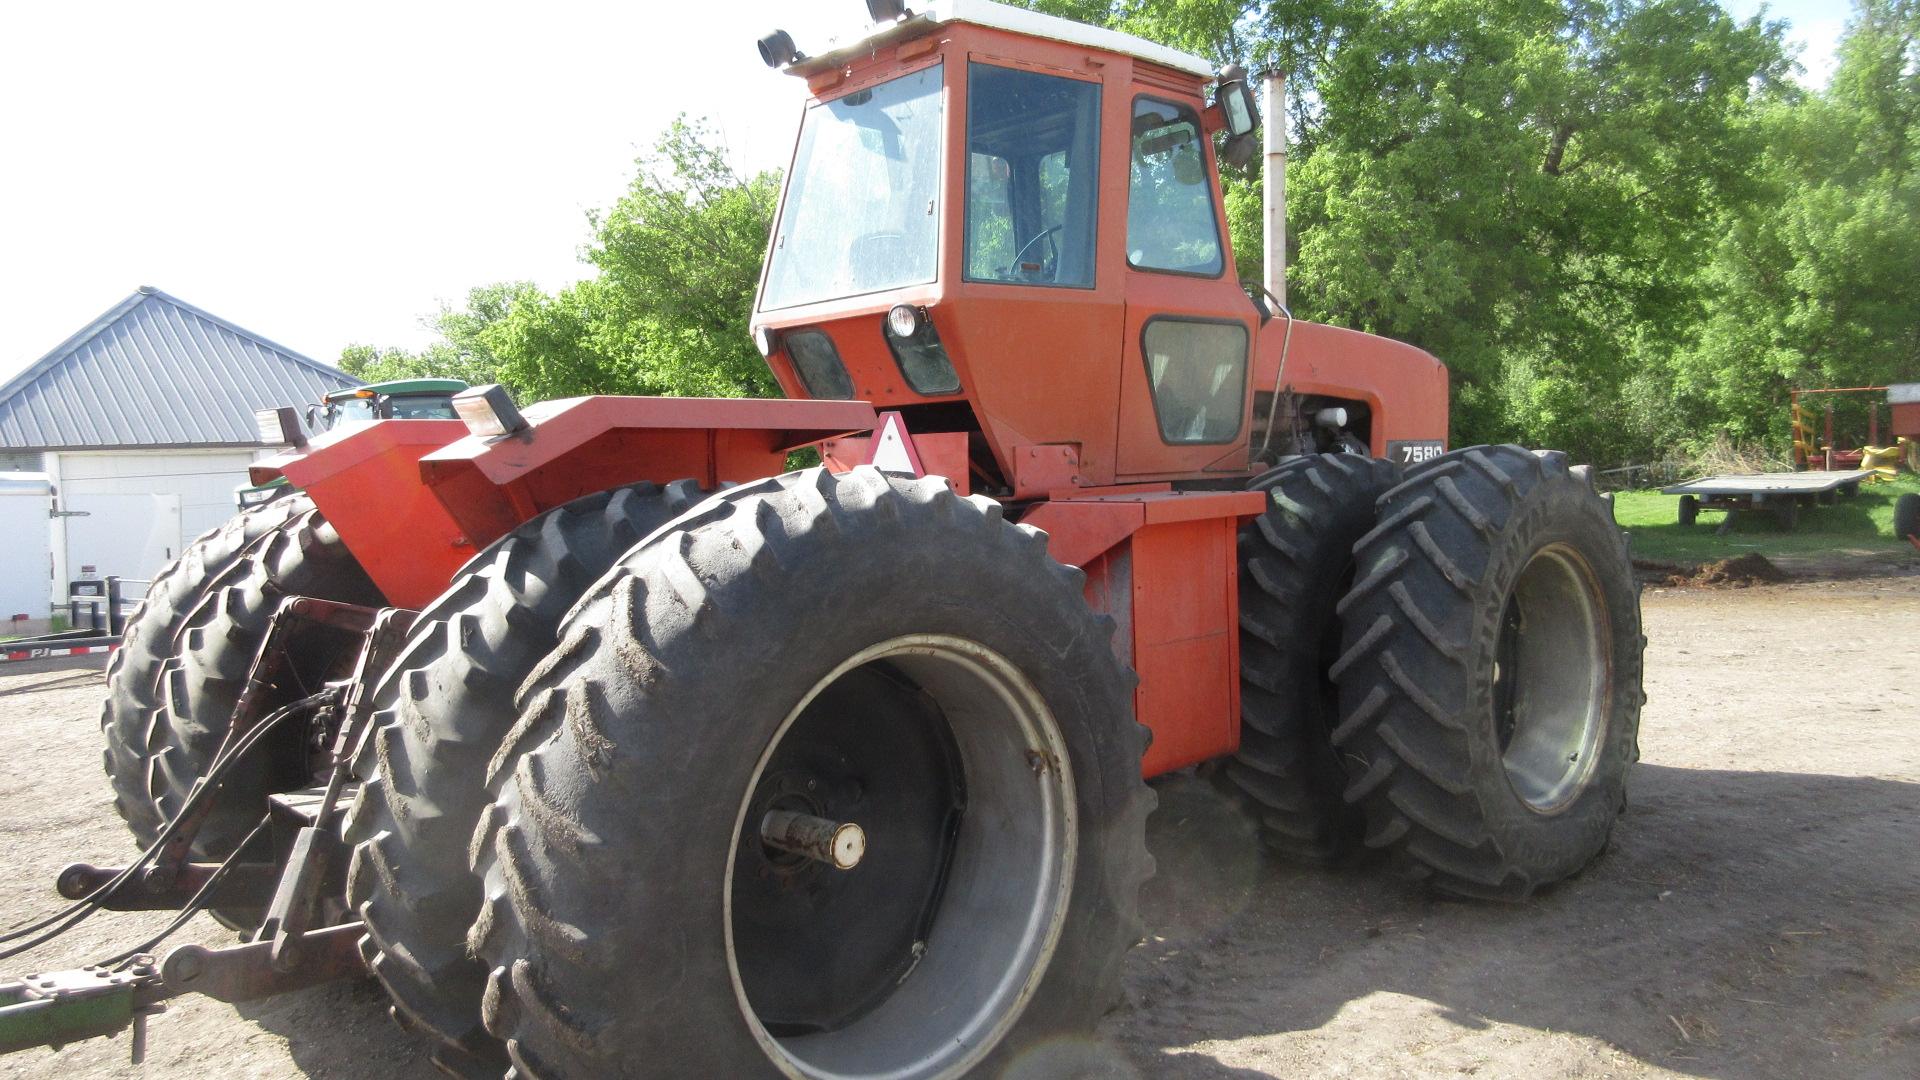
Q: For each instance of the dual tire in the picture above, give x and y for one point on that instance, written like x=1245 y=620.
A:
x=1483 y=670
x=440 y=713
x=1296 y=562
x=809 y=644
x=582 y=742
x=184 y=659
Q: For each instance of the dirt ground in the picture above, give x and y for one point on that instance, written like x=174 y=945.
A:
x=1758 y=914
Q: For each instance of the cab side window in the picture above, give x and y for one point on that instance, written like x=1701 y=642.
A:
x=1170 y=217
x=1033 y=159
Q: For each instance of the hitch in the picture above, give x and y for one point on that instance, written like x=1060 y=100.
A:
x=301 y=890
x=245 y=885
x=247 y=972
x=60 y=1007
x=271 y=666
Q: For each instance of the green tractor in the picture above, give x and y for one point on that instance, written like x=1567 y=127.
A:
x=398 y=399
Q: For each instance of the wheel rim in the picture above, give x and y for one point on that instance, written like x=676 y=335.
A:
x=1552 y=679
x=909 y=965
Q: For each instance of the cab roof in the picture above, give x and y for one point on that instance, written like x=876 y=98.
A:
x=396 y=386
x=939 y=13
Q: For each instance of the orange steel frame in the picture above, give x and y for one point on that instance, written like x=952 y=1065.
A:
x=415 y=499
x=1059 y=417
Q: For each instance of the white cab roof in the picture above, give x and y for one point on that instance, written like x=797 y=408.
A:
x=1004 y=17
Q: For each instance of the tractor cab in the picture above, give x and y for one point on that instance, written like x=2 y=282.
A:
x=399 y=399
x=1009 y=227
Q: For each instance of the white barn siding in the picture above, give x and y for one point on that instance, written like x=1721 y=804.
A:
x=133 y=511
x=26 y=568
x=203 y=479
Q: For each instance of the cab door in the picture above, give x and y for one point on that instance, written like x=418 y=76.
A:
x=1189 y=329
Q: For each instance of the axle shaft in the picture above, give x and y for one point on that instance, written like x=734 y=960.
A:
x=838 y=844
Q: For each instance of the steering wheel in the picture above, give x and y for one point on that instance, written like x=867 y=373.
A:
x=1014 y=268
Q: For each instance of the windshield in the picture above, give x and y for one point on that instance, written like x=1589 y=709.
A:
x=421 y=407
x=350 y=411
x=367 y=410
x=862 y=209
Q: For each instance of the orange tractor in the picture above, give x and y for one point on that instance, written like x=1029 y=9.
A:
x=612 y=747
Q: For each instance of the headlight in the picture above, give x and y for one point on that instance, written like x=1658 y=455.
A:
x=489 y=411
x=916 y=348
x=904 y=320
x=764 y=339
x=776 y=49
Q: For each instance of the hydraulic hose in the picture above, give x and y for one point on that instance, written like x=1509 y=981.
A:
x=75 y=913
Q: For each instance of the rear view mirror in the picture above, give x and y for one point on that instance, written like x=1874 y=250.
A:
x=1234 y=95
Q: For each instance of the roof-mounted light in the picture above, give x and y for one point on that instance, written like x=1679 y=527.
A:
x=280 y=427
x=489 y=411
x=886 y=11
x=777 y=50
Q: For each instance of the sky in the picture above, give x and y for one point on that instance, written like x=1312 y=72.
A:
x=330 y=174
x=1814 y=25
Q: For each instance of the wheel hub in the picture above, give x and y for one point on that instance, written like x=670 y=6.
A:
x=914 y=762
x=1552 y=680
x=820 y=944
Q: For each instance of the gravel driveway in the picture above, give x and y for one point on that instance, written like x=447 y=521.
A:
x=1757 y=916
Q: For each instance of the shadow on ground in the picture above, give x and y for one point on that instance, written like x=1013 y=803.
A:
x=1743 y=924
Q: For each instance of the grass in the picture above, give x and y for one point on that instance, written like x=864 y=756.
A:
x=1862 y=524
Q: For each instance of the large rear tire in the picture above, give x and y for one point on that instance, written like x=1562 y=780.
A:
x=201 y=683
x=1296 y=560
x=150 y=642
x=441 y=712
x=860 y=648
x=1490 y=686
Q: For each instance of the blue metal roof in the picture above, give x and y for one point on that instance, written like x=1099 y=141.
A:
x=155 y=371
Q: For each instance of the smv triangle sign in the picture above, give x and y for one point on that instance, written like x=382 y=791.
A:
x=893 y=449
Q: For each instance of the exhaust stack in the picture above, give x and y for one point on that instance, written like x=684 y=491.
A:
x=1273 y=185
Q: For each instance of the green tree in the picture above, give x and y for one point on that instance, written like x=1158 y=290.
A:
x=678 y=261
x=679 y=258
x=1525 y=188
x=1813 y=284
x=462 y=351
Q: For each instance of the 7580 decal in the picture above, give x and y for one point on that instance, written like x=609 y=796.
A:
x=1414 y=451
